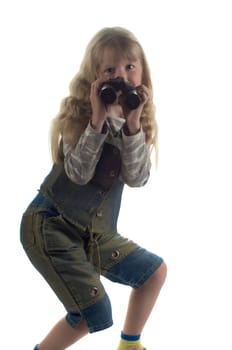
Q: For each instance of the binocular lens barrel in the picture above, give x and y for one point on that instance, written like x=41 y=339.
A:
x=132 y=100
x=108 y=94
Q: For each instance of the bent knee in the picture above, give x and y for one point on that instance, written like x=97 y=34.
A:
x=162 y=272
x=159 y=276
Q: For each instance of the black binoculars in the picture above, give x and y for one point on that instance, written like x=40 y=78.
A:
x=109 y=89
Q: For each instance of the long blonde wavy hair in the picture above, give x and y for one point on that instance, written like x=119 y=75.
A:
x=75 y=110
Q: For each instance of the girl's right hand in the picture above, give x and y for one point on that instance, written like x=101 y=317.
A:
x=99 y=112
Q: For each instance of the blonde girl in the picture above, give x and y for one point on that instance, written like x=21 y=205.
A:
x=69 y=230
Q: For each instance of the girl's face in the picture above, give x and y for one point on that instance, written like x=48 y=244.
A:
x=115 y=65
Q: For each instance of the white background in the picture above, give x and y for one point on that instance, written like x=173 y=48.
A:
x=183 y=213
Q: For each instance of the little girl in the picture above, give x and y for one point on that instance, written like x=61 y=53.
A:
x=69 y=231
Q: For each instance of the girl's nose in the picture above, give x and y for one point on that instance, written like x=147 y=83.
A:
x=121 y=73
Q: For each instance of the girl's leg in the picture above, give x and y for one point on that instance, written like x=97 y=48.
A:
x=142 y=300
x=63 y=335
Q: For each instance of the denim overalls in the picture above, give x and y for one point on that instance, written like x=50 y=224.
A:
x=69 y=233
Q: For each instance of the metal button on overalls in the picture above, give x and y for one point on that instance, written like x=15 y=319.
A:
x=115 y=254
x=93 y=291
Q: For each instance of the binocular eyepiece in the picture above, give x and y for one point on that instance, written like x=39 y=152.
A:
x=109 y=89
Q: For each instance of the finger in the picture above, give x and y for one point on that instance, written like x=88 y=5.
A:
x=144 y=92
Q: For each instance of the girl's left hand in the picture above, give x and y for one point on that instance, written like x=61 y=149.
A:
x=133 y=116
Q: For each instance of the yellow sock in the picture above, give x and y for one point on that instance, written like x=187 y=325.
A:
x=130 y=345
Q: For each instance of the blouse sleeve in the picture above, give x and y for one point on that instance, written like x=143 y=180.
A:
x=80 y=161
x=136 y=162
